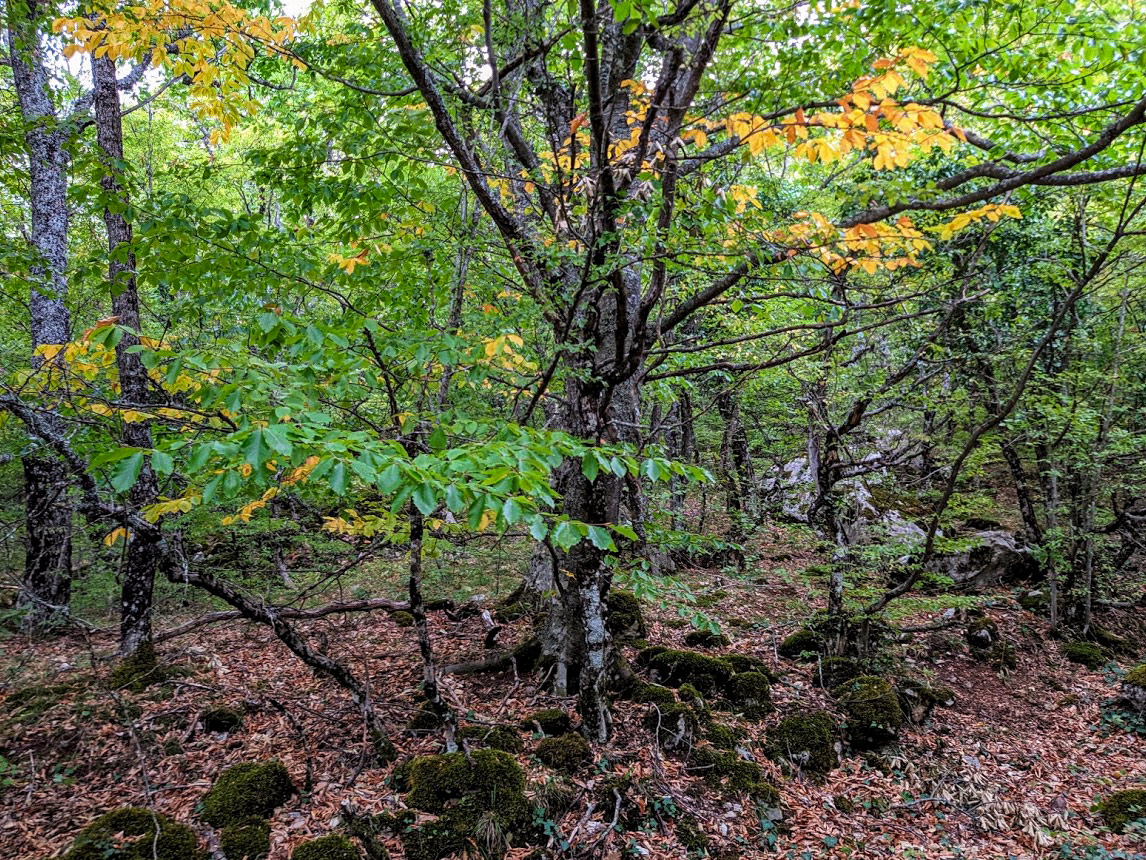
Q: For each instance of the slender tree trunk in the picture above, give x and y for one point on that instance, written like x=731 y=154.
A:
x=46 y=587
x=138 y=575
x=418 y=609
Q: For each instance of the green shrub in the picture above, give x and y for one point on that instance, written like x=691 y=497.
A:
x=806 y=741
x=566 y=753
x=245 y=791
x=1122 y=807
x=1084 y=654
x=333 y=847
x=246 y=840
x=553 y=722
x=873 y=712
x=130 y=834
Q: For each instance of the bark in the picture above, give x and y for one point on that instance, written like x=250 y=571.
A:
x=48 y=510
x=138 y=573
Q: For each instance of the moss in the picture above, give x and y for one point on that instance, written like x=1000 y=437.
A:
x=688 y=694
x=873 y=712
x=130 y=834
x=403 y=619
x=247 y=840
x=1084 y=654
x=1037 y=602
x=625 y=619
x=917 y=700
x=503 y=738
x=567 y=753
x=750 y=694
x=713 y=598
x=1002 y=655
x=674 y=723
x=805 y=740
x=1136 y=677
x=652 y=694
x=645 y=655
x=981 y=633
x=138 y=671
x=803 y=644
x=844 y=804
x=222 y=718
x=1110 y=641
x=706 y=639
x=748 y=663
x=28 y=704
x=1122 y=807
x=245 y=791
x=833 y=671
x=553 y=722
x=707 y=674
x=729 y=773
x=689 y=834
x=333 y=847
x=425 y=720
x=722 y=737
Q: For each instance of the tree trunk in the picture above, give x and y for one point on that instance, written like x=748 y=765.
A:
x=48 y=510
x=138 y=575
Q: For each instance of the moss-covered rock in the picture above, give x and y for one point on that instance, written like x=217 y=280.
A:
x=403 y=619
x=503 y=738
x=748 y=663
x=567 y=753
x=1134 y=689
x=625 y=619
x=707 y=674
x=130 y=834
x=246 y=840
x=689 y=834
x=221 y=718
x=688 y=694
x=729 y=773
x=138 y=671
x=510 y=612
x=723 y=737
x=426 y=720
x=830 y=672
x=917 y=700
x=645 y=655
x=1111 y=641
x=647 y=694
x=1122 y=807
x=552 y=721
x=750 y=694
x=806 y=741
x=1084 y=654
x=802 y=645
x=982 y=633
x=706 y=639
x=1037 y=601
x=873 y=712
x=333 y=847
x=674 y=724
x=245 y=791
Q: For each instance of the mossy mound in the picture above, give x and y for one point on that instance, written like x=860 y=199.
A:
x=479 y=799
x=28 y=704
x=1134 y=689
x=982 y=633
x=503 y=738
x=1084 y=654
x=706 y=639
x=1037 y=602
x=221 y=718
x=806 y=741
x=689 y=834
x=247 y=840
x=247 y=791
x=873 y=712
x=674 y=724
x=645 y=655
x=688 y=694
x=552 y=721
x=1111 y=641
x=1136 y=676
x=832 y=671
x=917 y=700
x=1122 y=807
x=425 y=720
x=723 y=737
x=630 y=797
x=748 y=663
x=130 y=834
x=625 y=619
x=510 y=612
x=801 y=645
x=707 y=674
x=568 y=753
x=138 y=671
x=333 y=847
x=403 y=619
x=647 y=694
x=729 y=773
x=750 y=694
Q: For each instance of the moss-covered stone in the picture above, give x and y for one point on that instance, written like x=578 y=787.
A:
x=688 y=694
x=806 y=741
x=706 y=639
x=802 y=645
x=917 y=700
x=723 y=737
x=552 y=721
x=830 y=672
x=221 y=718
x=1037 y=602
x=246 y=840
x=1084 y=654
x=510 y=612
x=138 y=671
x=502 y=738
x=982 y=633
x=728 y=772
x=674 y=724
x=689 y=834
x=245 y=791
x=750 y=694
x=403 y=619
x=645 y=655
x=1111 y=641
x=130 y=834
x=1136 y=676
x=647 y=694
x=333 y=847
x=567 y=753
x=707 y=674
x=425 y=720
x=1122 y=807
x=748 y=663
x=625 y=619
x=1002 y=655
x=873 y=712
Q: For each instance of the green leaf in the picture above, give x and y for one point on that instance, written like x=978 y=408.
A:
x=162 y=463
x=127 y=473
x=589 y=465
x=601 y=538
x=338 y=477
x=275 y=435
x=565 y=535
x=425 y=500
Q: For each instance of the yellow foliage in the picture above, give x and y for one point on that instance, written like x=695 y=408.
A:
x=992 y=212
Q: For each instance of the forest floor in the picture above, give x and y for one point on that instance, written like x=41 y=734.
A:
x=1011 y=769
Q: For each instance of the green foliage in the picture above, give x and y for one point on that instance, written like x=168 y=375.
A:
x=333 y=847
x=567 y=753
x=1123 y=807
x=806 y=741
x=873 y=712
x=246 y=840
x=101 y=839
x=252 y=789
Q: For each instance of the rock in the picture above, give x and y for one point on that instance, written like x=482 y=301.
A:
x=553 y=722
x=567 y=753
x=503 y=738
x=1134 y=689
x=873 y=712
x=625 y=619
x=803 y=645
x=806 y=741
x=994 y=557
x=130 y=834
x=1084 y=654
x=245 y=791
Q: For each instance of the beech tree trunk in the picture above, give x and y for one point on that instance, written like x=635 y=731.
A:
x=138 y=574
x=46 y=588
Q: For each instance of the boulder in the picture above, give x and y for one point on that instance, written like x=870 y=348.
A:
x=992 y=557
